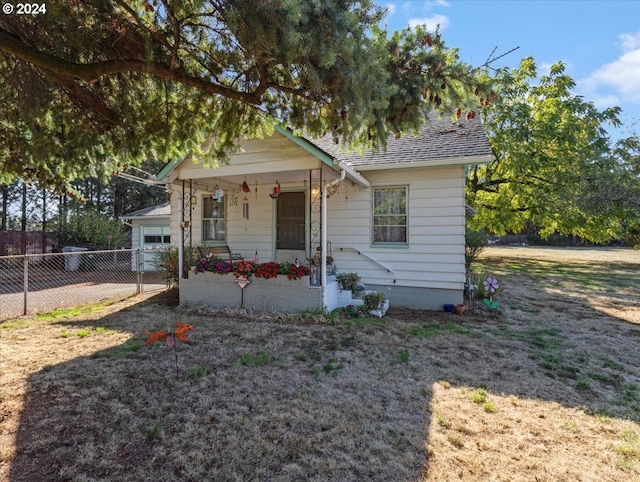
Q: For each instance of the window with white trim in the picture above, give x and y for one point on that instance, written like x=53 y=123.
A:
x=214 y=225
x=390 y=215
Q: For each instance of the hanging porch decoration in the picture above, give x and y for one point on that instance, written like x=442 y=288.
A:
x=276 y=191
x=217 y=195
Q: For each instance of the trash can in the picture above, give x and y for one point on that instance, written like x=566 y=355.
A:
x=88 y=263
x=72 y=262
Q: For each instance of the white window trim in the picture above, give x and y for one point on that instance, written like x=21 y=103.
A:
x=224 y=218
x=373 y=201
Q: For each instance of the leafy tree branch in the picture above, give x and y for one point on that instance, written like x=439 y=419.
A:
x=555 y=167
x=115 y=82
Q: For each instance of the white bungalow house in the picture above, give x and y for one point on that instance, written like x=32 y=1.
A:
x=396 y=218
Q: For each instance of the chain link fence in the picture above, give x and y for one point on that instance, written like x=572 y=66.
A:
x=36 y=283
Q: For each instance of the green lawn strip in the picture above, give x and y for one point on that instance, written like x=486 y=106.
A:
x=434 y=328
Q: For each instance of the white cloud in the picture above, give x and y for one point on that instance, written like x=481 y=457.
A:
x=630 y=41
x=544 y=68
x=429 y=4
x=622 y=75
x=604 y=101
x=431 y=22
x=391 y=8
x=406 y=7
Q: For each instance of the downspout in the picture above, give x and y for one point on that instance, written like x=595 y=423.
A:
x=323 y=240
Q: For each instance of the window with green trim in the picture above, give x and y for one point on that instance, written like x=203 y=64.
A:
x=390 y=215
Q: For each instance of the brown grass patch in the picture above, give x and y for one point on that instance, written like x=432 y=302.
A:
x=547 y=388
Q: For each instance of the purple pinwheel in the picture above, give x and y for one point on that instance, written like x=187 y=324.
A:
x=491 y=284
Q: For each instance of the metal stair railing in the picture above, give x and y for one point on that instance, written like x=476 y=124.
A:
x=361 y=253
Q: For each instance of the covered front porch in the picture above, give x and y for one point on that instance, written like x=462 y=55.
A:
x=268 y=204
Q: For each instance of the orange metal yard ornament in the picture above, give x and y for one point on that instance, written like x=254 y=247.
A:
x=179 y=332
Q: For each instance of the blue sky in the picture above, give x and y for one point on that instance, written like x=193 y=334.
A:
x=597 y=40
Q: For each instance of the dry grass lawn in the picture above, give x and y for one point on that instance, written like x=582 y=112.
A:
x=546 y=388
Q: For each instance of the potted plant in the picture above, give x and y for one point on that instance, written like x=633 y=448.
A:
x=372 y=301
x=376 y=304
x=347 y=281
x=358 y=291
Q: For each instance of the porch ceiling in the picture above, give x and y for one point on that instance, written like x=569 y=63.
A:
x=298 y=177
x=250 y=169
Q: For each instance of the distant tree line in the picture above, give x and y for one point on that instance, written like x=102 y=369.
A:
x=90 y=215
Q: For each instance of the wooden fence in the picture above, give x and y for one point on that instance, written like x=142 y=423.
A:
x=26 y=242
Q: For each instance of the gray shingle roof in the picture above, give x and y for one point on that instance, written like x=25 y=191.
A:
x=439 y=141
x=159 y=210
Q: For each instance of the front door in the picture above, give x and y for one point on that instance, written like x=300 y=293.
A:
x=290 y=226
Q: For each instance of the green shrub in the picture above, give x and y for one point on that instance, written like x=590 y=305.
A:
x=632 y=236
x=475 y=242
x=373 y=301
x=90 y=228
x=167 y=261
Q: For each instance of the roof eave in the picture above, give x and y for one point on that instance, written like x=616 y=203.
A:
x=327 y=159
x=168 y=168
x=354 y=175
x=149 y=216
x=307 y=146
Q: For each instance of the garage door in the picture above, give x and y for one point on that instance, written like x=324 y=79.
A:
x=152 y=239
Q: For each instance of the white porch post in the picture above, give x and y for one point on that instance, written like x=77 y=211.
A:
x=323 y=246
x=323 y=237
x=181 y=240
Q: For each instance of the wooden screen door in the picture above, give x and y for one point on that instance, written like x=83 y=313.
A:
x=290 y=229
